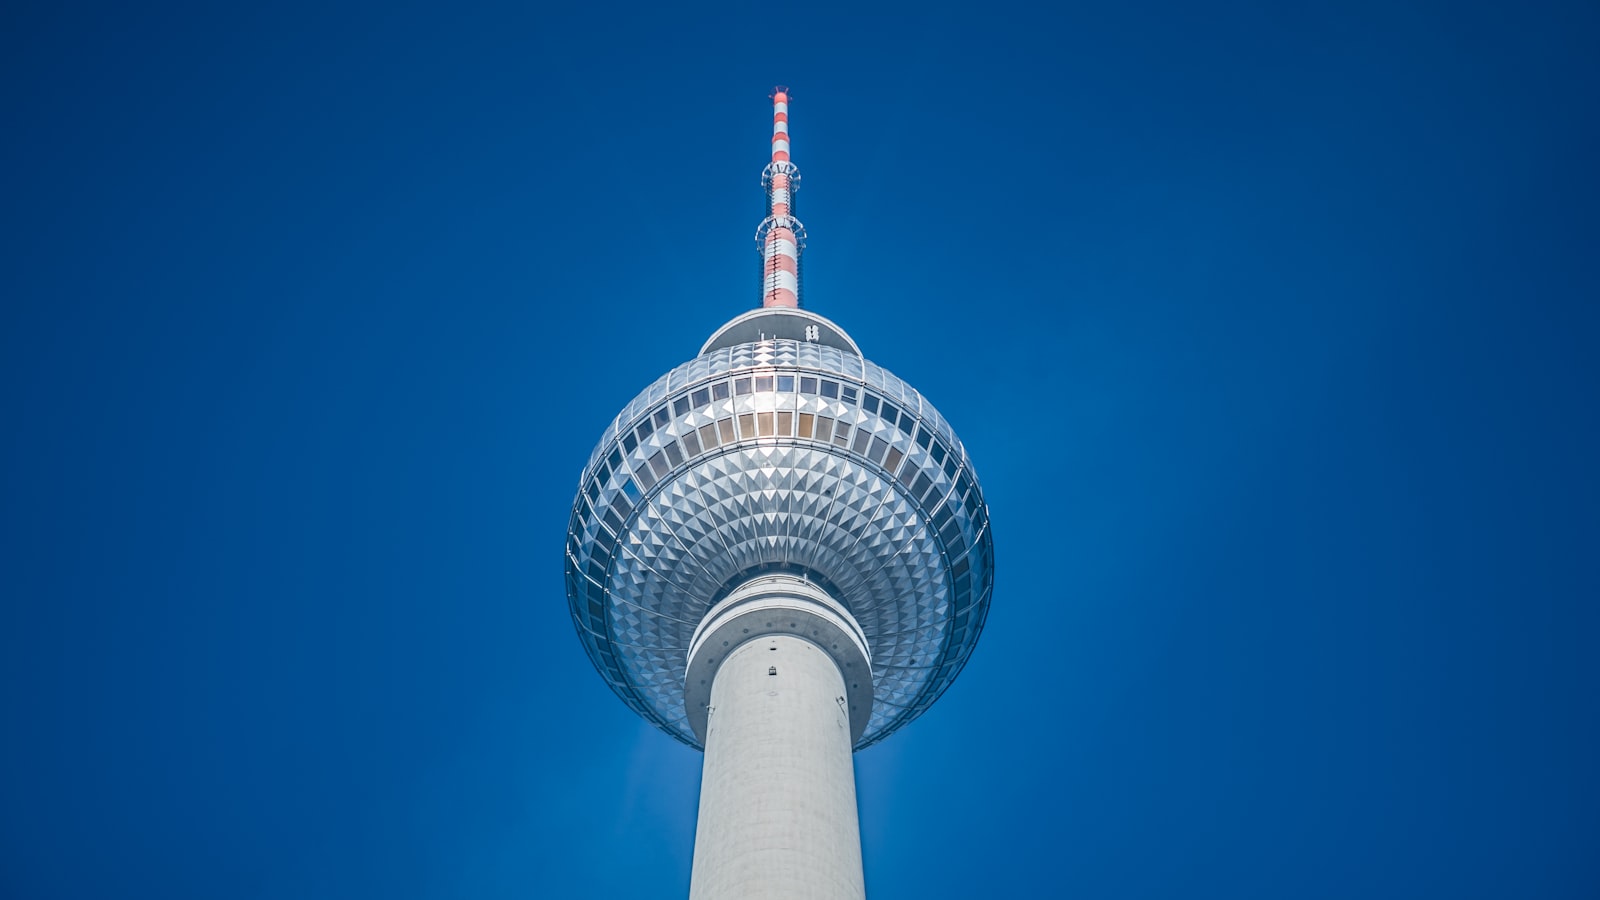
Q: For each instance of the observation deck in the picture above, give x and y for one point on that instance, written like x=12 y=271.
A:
x=779 y=450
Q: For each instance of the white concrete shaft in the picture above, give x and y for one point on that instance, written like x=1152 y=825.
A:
x=778 y=814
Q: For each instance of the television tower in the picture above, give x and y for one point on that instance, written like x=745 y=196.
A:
x=779 y=554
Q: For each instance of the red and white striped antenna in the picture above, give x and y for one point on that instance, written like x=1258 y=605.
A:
x=780 y=236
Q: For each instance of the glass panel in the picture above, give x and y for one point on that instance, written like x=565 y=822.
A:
x=725 y=428
x=629 y=442
x=658 y=464
x=830 y=389
x=849 y=395
x=680 y=406
x=765 y=421
x=708 y=435
x=691 y=443
x=878 y=446
x=808 y=384
x=861 y=441
x=741 y=385
x=785 y=423
x=719 y=391
x=890 y=412
x=869 y=403
x=824 y=428
x=924 y=437
x=892 y=460
x=674 y=455
x=785 y=383
x=700 y=397
x=763 y=383
x=907 y=423
x=662 y=416
x=841 y=435
x=645 y=429
x=747 y=425
x=938 y=453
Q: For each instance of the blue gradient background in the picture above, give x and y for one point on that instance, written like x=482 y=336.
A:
x=1271 y=331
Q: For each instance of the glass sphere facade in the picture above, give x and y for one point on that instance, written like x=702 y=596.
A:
x=779 y=455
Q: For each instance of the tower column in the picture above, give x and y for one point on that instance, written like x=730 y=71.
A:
x=784 y=666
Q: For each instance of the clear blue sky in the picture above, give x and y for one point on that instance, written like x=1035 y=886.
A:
x=1271 y=331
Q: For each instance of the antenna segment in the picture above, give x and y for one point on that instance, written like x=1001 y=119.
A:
x=780 y=236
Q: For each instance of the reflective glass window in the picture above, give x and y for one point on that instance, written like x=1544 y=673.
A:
x=785 y=383
x=741 y=385
x=950 y=467
x=764 y=421
x=891 y=460
x=763 y=383
x=645 y=429
x=708 y=435
x=700 y=397
x=658 y=464
x=615 y=459
x=806 y=422
x=747 y=425
x=841 y=434
x=680 y=406
x=824 y=428
x=662 y=417
x=594 y=490
x=921 y=485
x=629 y=442
x=725 y=429
x=875 y=453
x=785 y=423
x=719 y=391
x=938 y=453
x=830 y=389
x=907 y=423
x=849 y=395
x=808 y=384
x=863 y=437
x=924 y=437
x=691 y=443
x=890 y=412
x=869 y=403
x=951 y=534
x=674 y=455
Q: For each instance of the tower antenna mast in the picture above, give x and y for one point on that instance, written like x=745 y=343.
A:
x=780 y=236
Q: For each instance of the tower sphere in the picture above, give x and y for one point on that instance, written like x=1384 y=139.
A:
x=779 y=451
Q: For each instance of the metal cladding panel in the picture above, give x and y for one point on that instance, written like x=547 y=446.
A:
x=779 y=455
